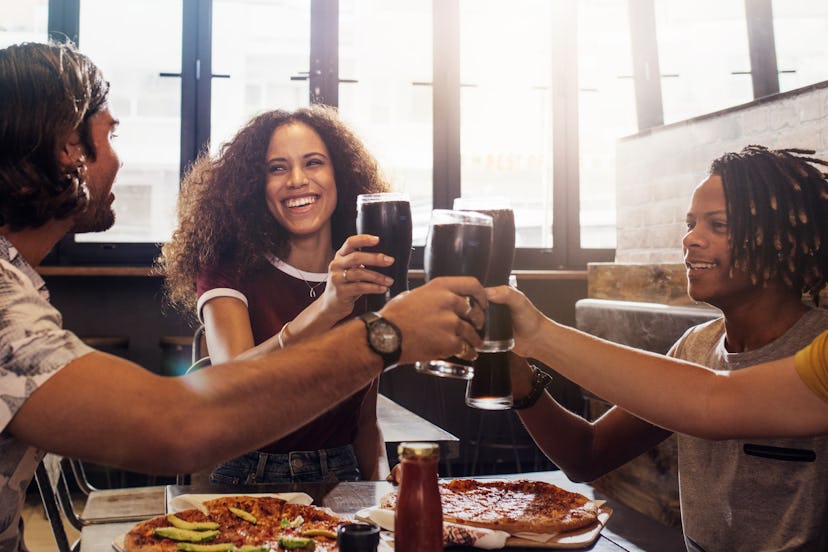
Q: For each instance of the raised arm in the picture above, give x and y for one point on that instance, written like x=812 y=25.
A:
x=765 y=400
x=227 y=321
x=108 y=410
x=349 y=277
x=584 y=450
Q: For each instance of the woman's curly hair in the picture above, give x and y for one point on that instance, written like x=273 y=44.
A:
x=47 y=91
x=222 y=212
x=777 y=209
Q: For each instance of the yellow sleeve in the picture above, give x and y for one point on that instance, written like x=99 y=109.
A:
x=812 y=365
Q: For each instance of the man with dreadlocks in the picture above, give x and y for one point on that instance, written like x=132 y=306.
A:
x=754 y=245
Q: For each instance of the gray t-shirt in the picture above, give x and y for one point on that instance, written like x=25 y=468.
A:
x=752 y=494
x=33 y=347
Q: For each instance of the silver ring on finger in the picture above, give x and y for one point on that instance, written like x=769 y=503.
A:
x=469 y=308
x=345 y=274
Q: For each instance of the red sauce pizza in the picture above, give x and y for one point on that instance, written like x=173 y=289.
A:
x=512 y=506
x=238 y=523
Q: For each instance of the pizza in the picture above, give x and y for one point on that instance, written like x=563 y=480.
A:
x=238 y=523
x=520 y=506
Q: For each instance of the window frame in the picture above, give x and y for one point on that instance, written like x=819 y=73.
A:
x=566 y=253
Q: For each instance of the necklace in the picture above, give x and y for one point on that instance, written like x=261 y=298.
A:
x=295 y=272
x=311 y=287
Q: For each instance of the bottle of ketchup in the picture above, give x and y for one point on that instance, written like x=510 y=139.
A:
x=418 y=519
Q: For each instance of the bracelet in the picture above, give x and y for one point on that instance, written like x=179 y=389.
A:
x=279 y=335
x=540 y=382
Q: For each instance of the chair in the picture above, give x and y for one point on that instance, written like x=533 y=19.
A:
x=502 y=445
x=48 y=487
x=79 y=475
x=200 y=356
x=200 y=359
x=53 y=476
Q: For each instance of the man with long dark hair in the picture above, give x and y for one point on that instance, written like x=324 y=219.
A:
x=57 y=168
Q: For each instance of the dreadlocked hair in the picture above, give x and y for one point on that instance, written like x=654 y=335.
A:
x=777 y=210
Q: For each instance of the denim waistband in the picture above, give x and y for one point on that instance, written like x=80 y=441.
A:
x=336 y=463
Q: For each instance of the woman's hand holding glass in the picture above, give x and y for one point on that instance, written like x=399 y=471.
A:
x=387 y=215
x=350 y=275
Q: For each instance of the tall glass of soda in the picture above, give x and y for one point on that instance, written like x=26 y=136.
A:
x=497 y=333
x=458 y=243
x=491 y=386
x=387 y=215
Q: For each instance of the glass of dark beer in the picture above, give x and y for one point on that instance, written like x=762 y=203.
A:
x=497 y=333
x=458 y=243
x=387 y=215
x=491 y=386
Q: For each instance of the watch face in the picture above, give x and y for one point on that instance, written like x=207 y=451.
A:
x=383 y=337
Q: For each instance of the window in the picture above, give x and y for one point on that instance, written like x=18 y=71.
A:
x=145 y=96
x=23 y=21
x=385 y=92
x=524 y=98
x=703 y=56
x=800 y=26
x=260 y=56
x=506 y=110
x=606 y=104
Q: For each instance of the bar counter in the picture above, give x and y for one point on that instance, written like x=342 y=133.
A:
x=626 y=529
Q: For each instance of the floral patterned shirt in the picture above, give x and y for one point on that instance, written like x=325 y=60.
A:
x=33 y=347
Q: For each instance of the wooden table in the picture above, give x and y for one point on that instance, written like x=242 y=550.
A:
x=627 y=530
x=399 y=424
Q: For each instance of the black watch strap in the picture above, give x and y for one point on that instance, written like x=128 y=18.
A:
x=384 y=338
x=540 y=381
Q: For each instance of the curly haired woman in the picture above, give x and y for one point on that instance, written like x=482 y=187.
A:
x=254 y=255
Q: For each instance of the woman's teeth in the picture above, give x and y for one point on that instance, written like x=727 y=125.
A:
x=300 y=201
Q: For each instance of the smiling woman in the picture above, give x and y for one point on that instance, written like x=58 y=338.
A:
x=254 y=257
x=300 y=187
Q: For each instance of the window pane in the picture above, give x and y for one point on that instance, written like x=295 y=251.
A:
x=116 y=36
x=506 y=110
x=23 y=21
x=800 y=30
x=606 y=104
x=703 y=56
x=385 y=46
x=260 y=45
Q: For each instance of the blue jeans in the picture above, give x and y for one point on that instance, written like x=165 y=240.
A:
x=333 y=464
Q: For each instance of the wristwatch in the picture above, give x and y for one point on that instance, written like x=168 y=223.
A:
x=540 y=381
x=384 y=338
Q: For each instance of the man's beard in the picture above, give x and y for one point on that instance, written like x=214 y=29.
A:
x=99 y=220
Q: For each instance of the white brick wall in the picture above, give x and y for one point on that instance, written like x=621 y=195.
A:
x=657 y=170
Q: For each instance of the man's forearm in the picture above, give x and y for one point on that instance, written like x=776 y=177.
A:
x=169 y=425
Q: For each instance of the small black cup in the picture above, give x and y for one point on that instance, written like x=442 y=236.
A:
x=358 y=537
